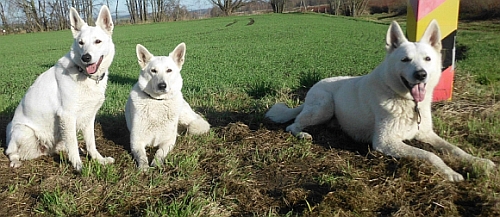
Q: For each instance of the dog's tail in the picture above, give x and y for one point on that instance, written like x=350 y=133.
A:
x=281 y=113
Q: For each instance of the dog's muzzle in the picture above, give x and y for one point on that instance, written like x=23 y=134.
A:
x=420 y=75
x=162 y=86
x=86 y=58
x=417 y=90
x=92 y=67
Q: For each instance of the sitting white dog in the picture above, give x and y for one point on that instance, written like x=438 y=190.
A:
x=65 y=99
x=156 y=107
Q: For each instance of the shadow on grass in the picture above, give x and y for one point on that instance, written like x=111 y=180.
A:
x=461 y=52
x=120 y=79
x=219 y=119
x=114 y=128
x=5 y=117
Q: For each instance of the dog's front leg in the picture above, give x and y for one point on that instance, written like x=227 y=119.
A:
x=140 y=156
x=436 y=141
x=400 y=149
x=164 y=148
x=89 y=137
x=385 y=141
x=68 y=135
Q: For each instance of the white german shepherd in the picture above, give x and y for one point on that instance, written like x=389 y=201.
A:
x=156 y=109
x=65 y=98
x=385 y=107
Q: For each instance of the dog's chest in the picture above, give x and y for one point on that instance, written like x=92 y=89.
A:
x=158 y=114
x=90 y=97
x=402 y=117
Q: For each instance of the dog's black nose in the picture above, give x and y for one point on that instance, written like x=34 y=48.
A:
x=86 y=58
x=420 y=75
x=162 y=86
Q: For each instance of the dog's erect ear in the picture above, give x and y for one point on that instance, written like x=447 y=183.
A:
x=76 y=22
x=178 y=54
x=143 y=55
x=432 y=35
x=395 y=37
x=104 y=20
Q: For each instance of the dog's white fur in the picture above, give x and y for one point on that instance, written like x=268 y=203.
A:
x=380 y=107
x=156 y=108
x=65 y=98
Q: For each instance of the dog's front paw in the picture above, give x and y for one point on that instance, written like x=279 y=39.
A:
x=304 y=135
x=106 y=160
x=156 y=163
x=453 y=176
x=144 y=167
x=485 y=163
x=15 y=163
x=78 y=166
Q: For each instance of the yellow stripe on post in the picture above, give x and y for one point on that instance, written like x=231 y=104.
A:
x=420 y=13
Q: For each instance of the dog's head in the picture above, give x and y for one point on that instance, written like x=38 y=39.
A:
x=160 y=75
x=414 y=68
x=93 y=49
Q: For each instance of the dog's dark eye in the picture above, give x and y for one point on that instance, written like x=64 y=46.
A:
x=98 y=41
x=81 y=43
x=427 y=59
x=406 y=59
x=153 y=70
x=169 y=70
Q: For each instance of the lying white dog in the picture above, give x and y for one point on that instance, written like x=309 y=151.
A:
x=66 y=98
x=156 y=108
x=385 y=107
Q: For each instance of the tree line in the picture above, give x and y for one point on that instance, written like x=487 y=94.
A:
x=50 y=15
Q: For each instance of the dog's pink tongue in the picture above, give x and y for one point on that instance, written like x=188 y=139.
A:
x=92 y=68
x=418 y=92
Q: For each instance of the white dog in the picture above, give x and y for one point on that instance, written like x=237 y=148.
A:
x=385 y=107
x=65 y=98
x=156 y=108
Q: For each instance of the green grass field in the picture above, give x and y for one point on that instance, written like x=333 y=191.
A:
x=247 y=166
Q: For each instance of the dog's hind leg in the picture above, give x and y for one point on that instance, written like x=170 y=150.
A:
x=193 y=122
x=318 y=108
x=436 y=141
x=22 y=144
x=89 y=137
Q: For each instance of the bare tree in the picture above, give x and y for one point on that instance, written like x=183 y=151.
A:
x=158 y=10
x=132 y=10
x=58 y=14
x=144 y=10
x=335 y=6
x=354 y=7
x=229 y=6
x=33 y=20
x=277 y=5
x=116 y=12
x=138 y=10
x=168 y=10
x=4 y=18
